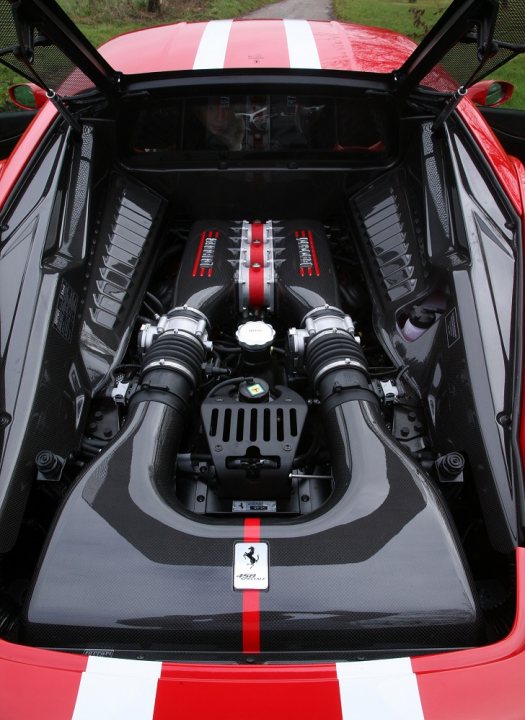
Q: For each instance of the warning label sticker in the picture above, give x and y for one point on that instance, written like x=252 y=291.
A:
x=452 y=325
x=64 y=317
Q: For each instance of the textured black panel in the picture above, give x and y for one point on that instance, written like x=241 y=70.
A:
x=124 y=245
x=36 y=349
x=206 y=277
x=303 y=286
x=384 y=214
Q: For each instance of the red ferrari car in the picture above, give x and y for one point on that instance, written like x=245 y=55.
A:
x=261 y=332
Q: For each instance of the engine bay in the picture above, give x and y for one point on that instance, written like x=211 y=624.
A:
x=266 y=379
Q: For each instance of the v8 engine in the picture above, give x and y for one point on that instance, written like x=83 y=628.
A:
x=255 y=274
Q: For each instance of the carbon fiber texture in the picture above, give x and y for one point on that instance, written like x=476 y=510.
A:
x=378 y=568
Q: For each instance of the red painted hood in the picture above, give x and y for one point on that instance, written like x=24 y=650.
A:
x=258 y=44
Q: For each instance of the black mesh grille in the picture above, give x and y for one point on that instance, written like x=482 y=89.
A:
x=461 y=65
x=50 y=65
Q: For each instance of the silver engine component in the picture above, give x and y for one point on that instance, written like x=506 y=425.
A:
x=256 y=270
x=179 y=320
x=255 y=335
x=320 y=323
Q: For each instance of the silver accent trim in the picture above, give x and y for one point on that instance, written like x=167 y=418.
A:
x=269 y=267
x=244 y=267
x=319 y=322
x=180 y=319
x=327 y=319
x=243 y=278
x=170 y=365
x=304 y=476
x=254 y=506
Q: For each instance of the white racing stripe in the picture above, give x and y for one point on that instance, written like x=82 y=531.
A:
x=112 y=689
x=213 y=44
x=301 y=45
x=379 y=689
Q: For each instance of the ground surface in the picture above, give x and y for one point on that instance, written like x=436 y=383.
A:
x=302 y=9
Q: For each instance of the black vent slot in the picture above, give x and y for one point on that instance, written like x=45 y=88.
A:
x=255 y=424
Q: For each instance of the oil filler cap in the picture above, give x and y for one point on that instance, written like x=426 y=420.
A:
x=255 y=390
x=255 y=335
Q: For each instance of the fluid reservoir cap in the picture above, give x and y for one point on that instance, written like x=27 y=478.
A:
x=255 y=390
x=422 y=317
x=255 y=335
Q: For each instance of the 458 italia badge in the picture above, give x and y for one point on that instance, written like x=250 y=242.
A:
x=250 y=566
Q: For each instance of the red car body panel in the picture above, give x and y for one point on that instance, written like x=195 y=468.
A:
x=481 y=683
x=502 y=164
x=24 y=150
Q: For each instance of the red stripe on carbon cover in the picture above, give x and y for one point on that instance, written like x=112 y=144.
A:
x=256 y=44
x=251 y=610
x=256 y=276
x=252 y=530
x=248 y=693
x=251 y=621
x=44 y=691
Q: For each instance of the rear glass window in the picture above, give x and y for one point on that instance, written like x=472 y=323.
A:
x=260 y=123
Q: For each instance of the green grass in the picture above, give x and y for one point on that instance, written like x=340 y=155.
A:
x=410 y=18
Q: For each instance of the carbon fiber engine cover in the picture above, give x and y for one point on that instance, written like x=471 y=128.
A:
x=377 y=569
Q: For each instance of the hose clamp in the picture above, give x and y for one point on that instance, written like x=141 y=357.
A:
x=170 y=365
x=343 y=363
